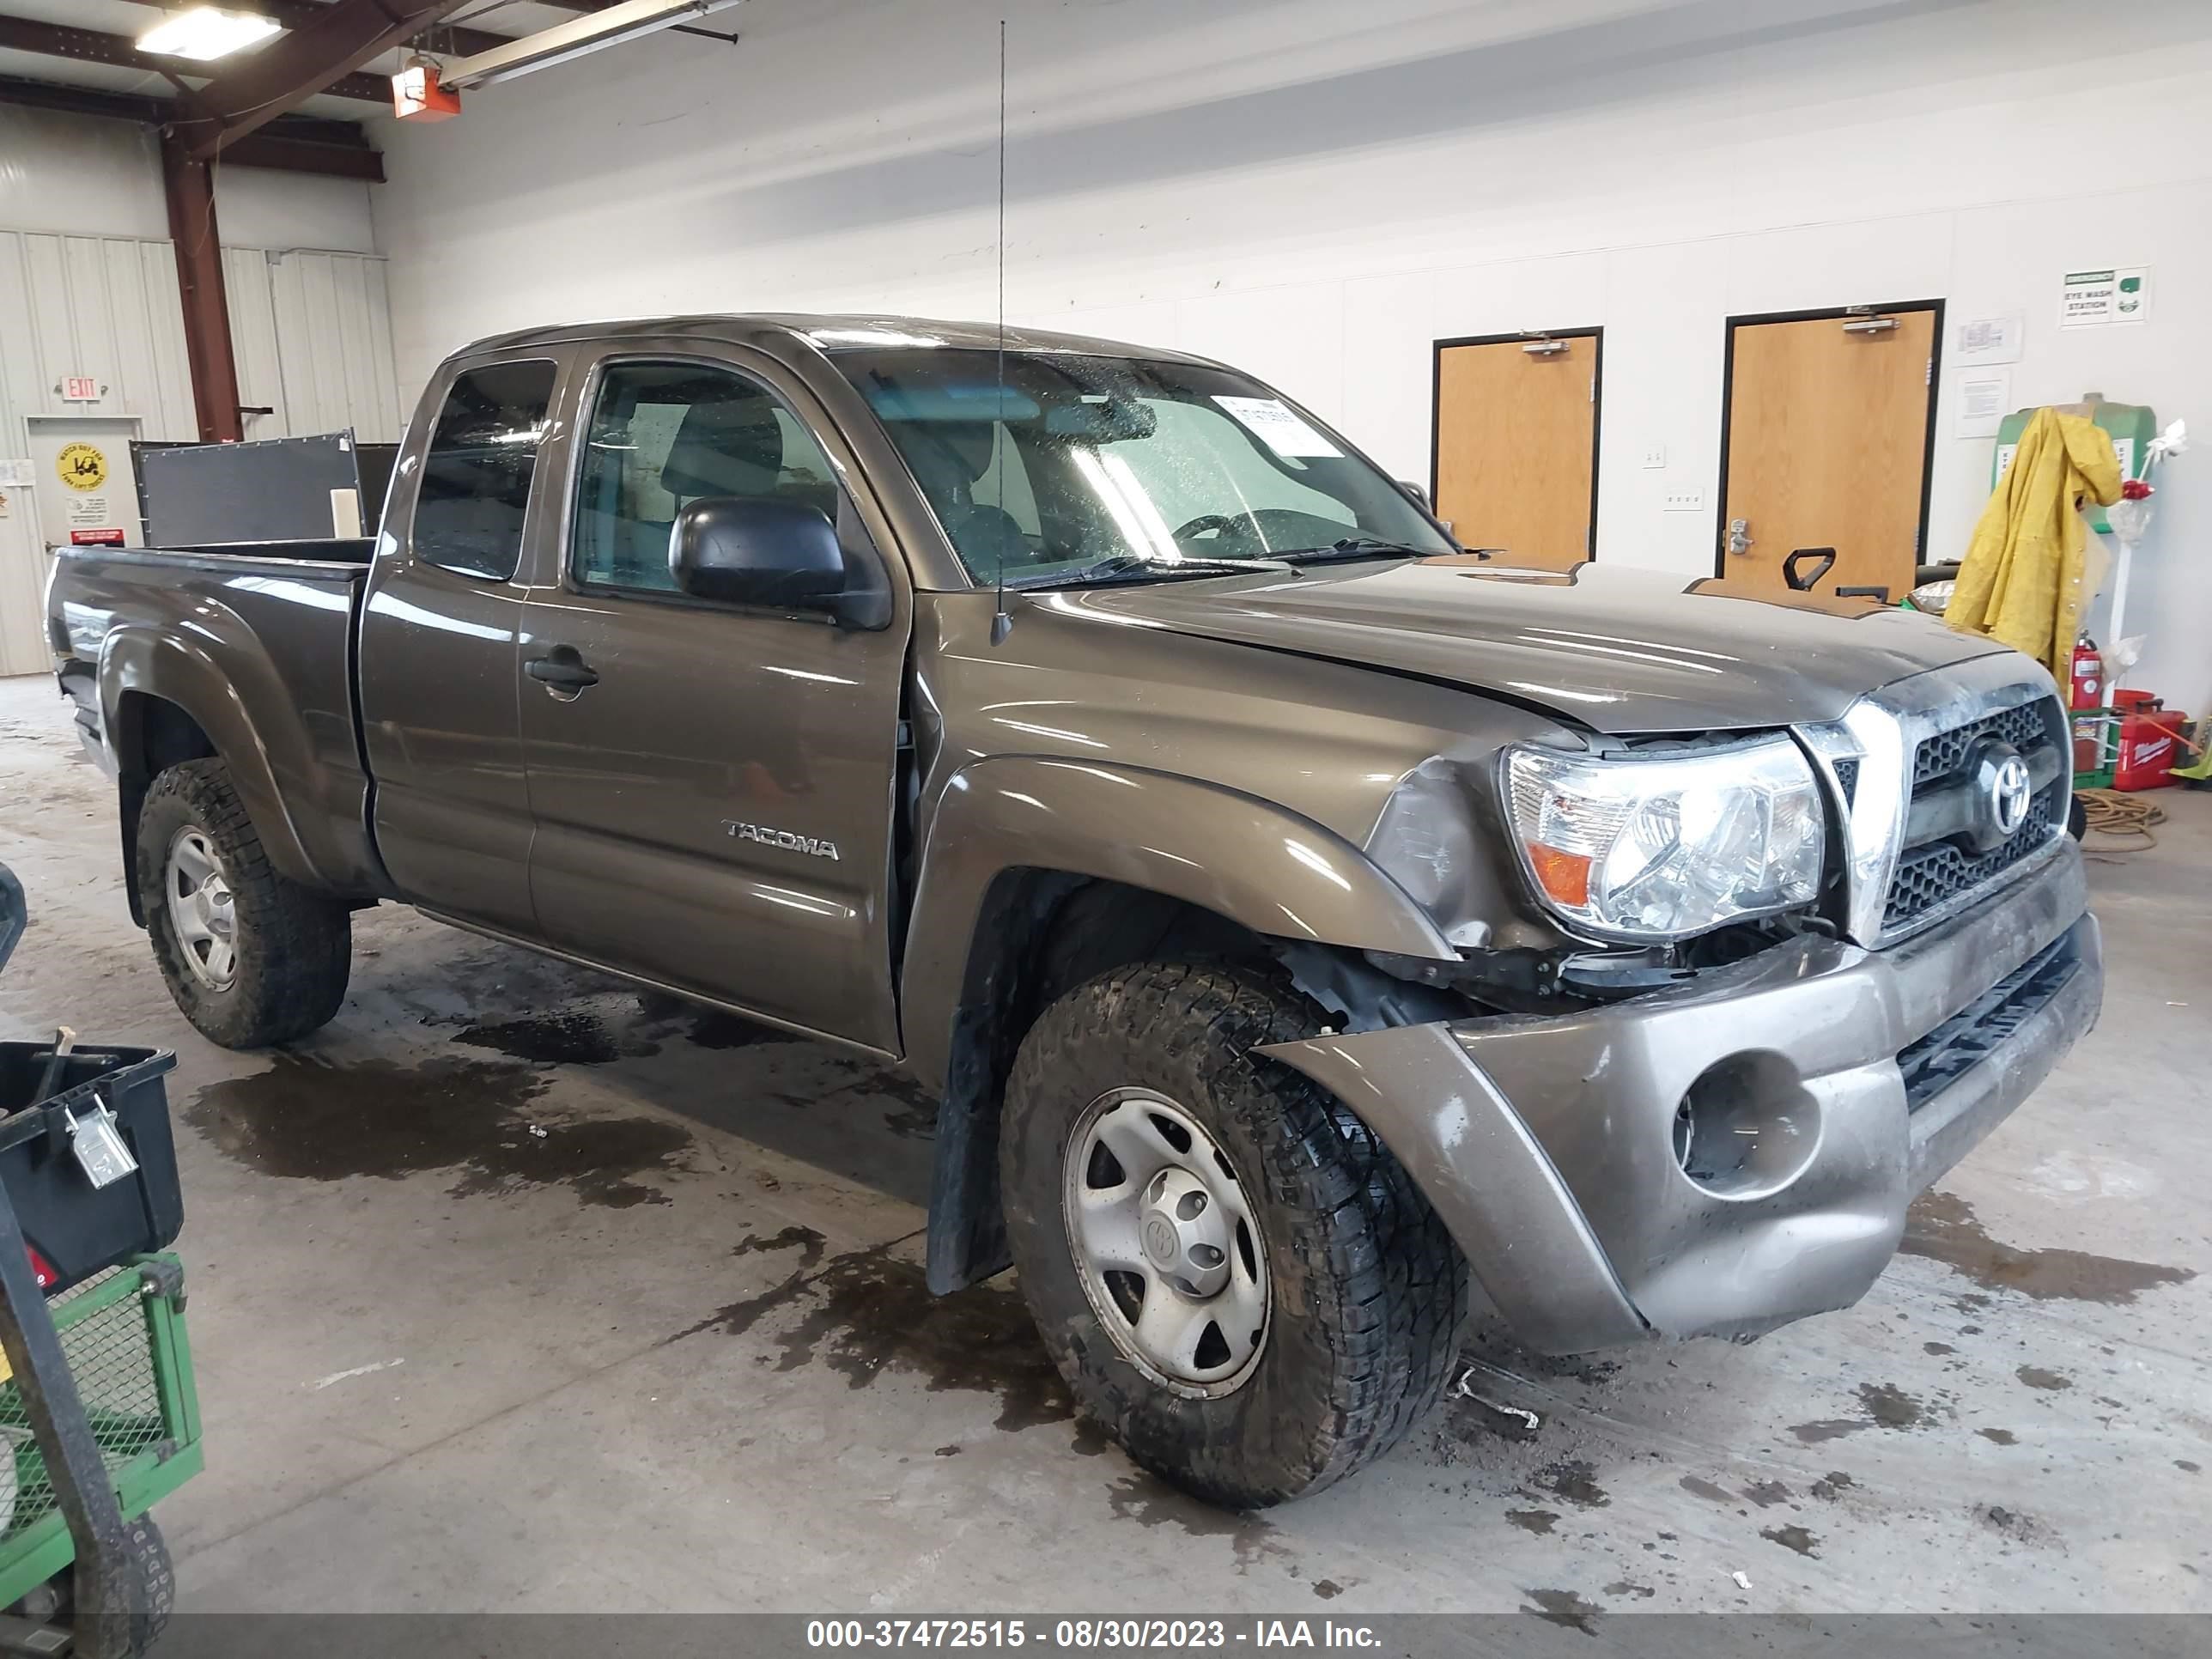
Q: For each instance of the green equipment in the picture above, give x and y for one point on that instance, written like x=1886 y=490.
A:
x=122 y=1335
x=2130 y=426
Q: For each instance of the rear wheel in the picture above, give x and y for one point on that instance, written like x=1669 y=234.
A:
x=1236 y=1278
x=250 y=957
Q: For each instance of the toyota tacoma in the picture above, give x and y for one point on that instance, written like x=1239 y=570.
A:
x=1304 y=922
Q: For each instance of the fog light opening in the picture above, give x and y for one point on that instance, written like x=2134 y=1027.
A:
x=1747 y=1127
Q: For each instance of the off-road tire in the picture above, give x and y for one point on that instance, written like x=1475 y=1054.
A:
x=294 y=946
x=1369 y=1292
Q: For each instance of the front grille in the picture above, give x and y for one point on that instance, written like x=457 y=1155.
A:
x=1933 y=874
x=2025 y=728
x=1929 y=876
x=1933 y=1064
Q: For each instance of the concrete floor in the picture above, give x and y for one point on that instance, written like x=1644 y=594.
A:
x=511 y=1291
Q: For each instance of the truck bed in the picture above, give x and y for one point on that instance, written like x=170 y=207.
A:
x=264 y=625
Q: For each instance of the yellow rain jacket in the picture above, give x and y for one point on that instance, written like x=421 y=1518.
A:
x=2022 y=581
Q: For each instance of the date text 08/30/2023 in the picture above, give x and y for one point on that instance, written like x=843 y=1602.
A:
x=1085 y=1635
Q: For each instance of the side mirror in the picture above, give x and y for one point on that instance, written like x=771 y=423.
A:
x=1414 y=493
x=776 y=554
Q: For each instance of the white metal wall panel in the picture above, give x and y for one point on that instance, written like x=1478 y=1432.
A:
x=312 y=333
x=102 y=305
x=333 y=331
x=253 y=346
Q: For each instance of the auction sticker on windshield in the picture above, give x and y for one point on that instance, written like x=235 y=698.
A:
x=1280 y=430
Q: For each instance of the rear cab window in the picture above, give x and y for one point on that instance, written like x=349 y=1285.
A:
x=476 y=471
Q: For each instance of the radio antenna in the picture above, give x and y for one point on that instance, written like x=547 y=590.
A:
x=1001 y=623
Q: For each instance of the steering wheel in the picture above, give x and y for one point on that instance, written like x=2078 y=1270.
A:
x=1223 y=522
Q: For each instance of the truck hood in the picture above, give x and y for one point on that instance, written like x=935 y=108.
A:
x=1613 y=648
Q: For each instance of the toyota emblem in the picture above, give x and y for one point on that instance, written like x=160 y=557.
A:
x=2010 y=791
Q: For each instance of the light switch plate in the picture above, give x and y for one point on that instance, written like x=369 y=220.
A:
x=1685 y=500
x=1654 y=455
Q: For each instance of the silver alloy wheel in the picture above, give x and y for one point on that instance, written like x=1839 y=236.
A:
x=201 y=910
x=1164 y=1243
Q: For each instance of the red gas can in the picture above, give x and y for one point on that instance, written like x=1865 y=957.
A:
x=2150 y=747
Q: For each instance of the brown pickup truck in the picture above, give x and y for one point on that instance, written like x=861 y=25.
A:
x=1298 y=915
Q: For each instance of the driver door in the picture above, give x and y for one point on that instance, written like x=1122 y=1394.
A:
x=711 y=784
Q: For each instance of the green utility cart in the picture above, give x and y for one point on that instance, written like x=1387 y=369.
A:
x=123 y=1335
x=98 y=1417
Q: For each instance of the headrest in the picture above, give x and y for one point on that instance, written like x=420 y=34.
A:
x=954 y=452
x=732 y=448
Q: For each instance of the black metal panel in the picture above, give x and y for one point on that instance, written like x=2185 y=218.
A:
x=274 y=490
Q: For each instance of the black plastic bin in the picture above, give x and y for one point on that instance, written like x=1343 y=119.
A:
x=76 y=1228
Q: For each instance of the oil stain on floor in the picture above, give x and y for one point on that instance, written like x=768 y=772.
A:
x=308 y=1119
x=1151 y=1502
x=703 y=1026
x=575 y=1038
x=1884 y=1406
x=1565 y=1607
x=867 y=1314
x=1941 y=1227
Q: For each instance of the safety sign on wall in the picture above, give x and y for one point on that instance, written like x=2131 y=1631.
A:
x=81 y=465
x=83 y=468
x=2090 y=299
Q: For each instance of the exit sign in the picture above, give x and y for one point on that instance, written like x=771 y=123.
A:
x=80 y=389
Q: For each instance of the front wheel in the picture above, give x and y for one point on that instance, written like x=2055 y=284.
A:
x=1236 y=1278
x=250 y=957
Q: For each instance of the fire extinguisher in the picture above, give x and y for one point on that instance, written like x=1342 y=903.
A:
x=2089 y=675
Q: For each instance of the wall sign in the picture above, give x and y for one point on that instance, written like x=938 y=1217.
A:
x=82 y=466
x=2091 y=298
x=80 y=389
x=1984 y=397
x=1989 y=340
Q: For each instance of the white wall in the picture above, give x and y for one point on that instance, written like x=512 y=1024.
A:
x=77 y=175
x=89 y=286
x=87 y=175
x=311 y=334
x=1318 y=190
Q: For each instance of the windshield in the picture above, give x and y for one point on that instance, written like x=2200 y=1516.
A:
x=1096 y=468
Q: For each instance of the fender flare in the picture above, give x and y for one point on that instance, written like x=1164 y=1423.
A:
x=1261 y=865
x=175 y=670
x=1262 y=868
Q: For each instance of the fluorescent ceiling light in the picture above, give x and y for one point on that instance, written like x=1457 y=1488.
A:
x=201 y=33
x=608 y=27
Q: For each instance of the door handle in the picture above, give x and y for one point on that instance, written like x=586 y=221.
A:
x=1739 y=537
x=561 y=671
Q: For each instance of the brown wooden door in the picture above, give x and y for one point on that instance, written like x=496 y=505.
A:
x=1516 y=446
x=1827 y=446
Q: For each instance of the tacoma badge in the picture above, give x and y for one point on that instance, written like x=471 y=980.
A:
x=783 y=839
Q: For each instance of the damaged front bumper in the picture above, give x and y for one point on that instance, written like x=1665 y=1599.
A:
x=1727 y=1156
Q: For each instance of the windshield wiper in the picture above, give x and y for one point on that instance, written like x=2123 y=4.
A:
x=1127 y=566
x=1356 y=547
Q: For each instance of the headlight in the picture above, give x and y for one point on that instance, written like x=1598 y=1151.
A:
x=1671 y=846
